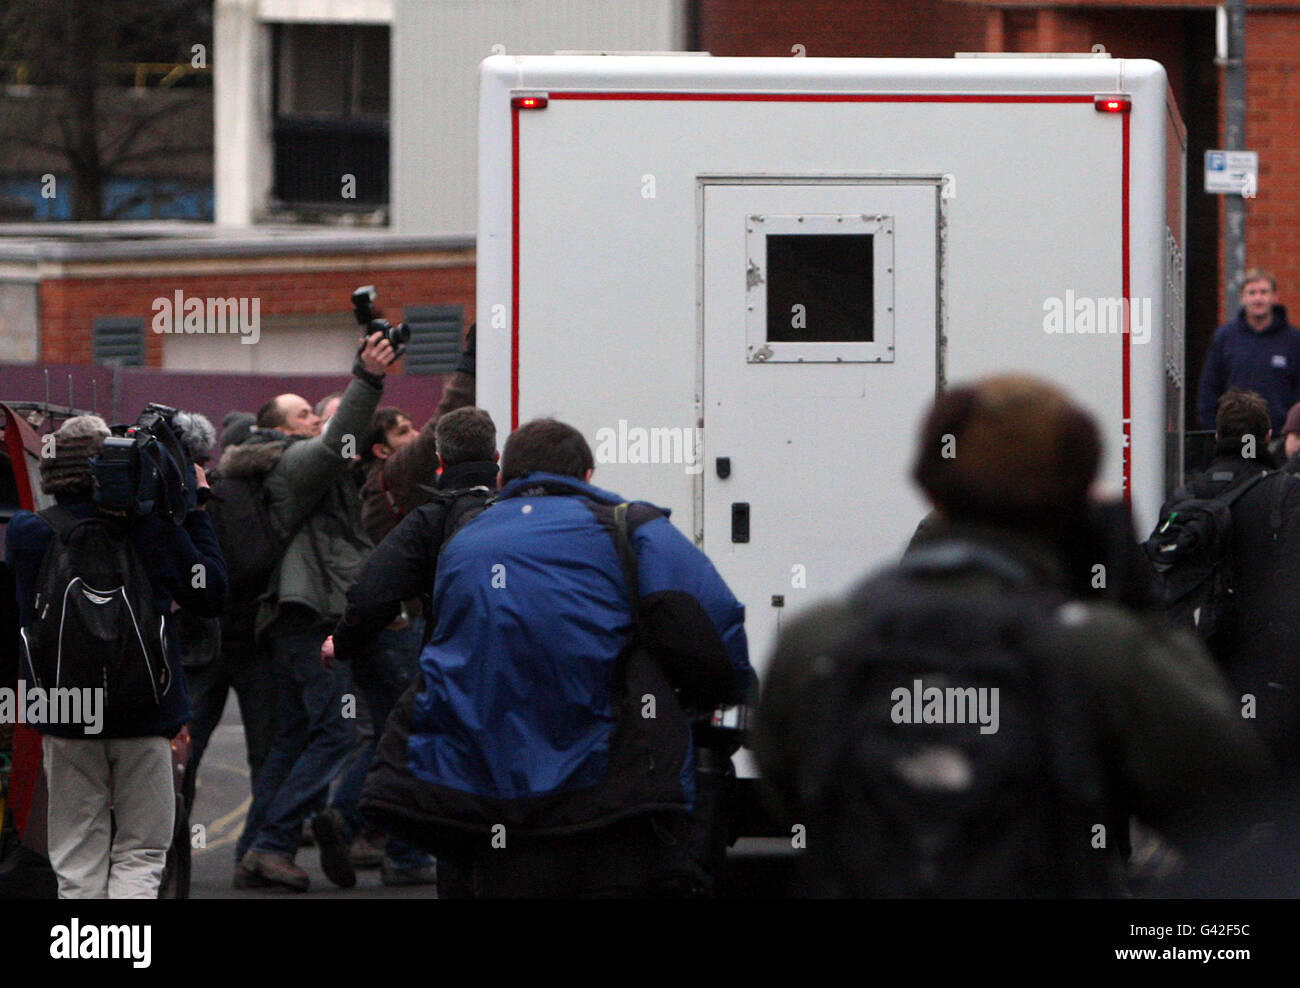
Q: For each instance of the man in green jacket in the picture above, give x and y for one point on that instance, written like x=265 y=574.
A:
x=314 y=502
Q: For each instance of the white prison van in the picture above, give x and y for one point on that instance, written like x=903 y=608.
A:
x=745 y=279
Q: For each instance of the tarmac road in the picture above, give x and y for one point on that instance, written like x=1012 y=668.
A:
x=220 y=807
x=757 y=867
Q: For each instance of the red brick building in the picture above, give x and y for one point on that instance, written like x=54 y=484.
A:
x=96 y=292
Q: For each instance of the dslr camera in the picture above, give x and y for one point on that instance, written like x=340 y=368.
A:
x=144 y=469
x=363 y=306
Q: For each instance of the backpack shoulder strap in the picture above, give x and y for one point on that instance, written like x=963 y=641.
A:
x=628 y=517
x=390 y=499
x=1229 y=498
x=60 y=519
x=455 y=505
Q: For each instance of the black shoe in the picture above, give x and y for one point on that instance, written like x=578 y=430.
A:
x=331 y=837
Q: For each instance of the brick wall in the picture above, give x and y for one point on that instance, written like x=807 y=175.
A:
x=835 y=28
x=1273 y=129
x=70 y=305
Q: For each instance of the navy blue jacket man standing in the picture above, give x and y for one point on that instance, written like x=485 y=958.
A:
x=1258 y=351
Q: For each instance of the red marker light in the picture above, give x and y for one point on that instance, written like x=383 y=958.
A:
x=1111 y=104
x=529 y=102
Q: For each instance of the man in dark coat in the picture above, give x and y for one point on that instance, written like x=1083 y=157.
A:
x=1259 y=648
x=1148 y=726
x=386 y=606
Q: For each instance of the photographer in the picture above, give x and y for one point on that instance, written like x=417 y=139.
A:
x=402 y=480
x=124 y=760
x=315 y=505
x=220 y=653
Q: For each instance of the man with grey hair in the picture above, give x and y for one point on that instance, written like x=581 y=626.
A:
x=197 y=434
x=464 y=437
x=402 y=568
x=216 y=656
x=125 y=765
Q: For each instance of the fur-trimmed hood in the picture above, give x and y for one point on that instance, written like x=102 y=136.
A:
x=254 y=457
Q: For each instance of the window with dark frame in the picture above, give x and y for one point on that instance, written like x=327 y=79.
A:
x=331 y=93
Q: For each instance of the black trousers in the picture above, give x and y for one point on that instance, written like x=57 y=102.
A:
x=245 y=668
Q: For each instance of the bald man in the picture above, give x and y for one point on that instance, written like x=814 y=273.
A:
x=315 y=502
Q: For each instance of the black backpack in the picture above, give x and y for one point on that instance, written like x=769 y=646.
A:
x=96 y=625
x=1189 y=553
x=459 y=508
x=240 y=510
x=948 y=761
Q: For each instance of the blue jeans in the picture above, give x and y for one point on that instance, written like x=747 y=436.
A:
x=383 y=675
x=312 y=741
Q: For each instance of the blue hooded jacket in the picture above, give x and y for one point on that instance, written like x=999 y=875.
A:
x=521 y=703
x=1267 y=362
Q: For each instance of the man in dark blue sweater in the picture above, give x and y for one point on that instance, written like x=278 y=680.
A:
x=1258 y=351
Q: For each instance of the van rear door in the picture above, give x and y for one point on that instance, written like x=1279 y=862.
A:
x=819 y=355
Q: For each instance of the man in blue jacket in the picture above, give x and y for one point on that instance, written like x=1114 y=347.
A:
x=544 y=753
x=125 y=762
x=1258 y=351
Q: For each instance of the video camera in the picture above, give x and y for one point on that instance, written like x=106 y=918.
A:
x=144 y=469
x=363 y=307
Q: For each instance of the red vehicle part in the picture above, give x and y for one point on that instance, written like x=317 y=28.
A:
x=26 y=780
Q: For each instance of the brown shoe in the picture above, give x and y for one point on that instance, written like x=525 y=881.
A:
x=278 y=869
x=245 y=879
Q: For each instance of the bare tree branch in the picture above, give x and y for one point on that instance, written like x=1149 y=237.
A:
x=162 y=149
x=132 y=132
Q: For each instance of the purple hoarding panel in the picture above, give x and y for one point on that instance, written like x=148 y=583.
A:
x=120 y=394
x=89 y=386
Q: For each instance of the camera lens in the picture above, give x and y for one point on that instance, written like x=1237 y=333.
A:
x=399 y=335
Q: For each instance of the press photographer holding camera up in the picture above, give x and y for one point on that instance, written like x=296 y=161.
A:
x=315 y=507
x=97 y=575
